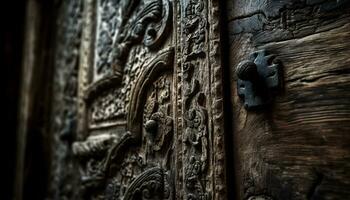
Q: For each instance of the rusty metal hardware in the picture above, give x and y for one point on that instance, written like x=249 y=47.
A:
x=258 y=79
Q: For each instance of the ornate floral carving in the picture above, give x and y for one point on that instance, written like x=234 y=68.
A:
x=109 y=105
x=138 y=22
x=151 y=184
x=138 y=165
x=196 y=130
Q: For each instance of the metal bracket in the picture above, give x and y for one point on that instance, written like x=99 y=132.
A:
x=259 y=78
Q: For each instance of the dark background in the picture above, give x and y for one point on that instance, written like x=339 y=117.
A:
x=11 y=45
x=36 y=159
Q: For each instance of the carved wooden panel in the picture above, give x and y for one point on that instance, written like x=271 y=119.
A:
x=150 y=113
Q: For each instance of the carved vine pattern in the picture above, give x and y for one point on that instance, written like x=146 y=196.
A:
x=195 y=114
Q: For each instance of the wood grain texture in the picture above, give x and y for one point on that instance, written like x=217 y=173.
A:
x=299 y=147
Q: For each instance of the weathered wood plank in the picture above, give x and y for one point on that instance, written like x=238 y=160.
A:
x=299 y=148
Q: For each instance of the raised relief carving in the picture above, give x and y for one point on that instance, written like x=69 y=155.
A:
x=196 y=145
x=108 y=107
x=202 y=108
x=100 y=155
x=116 y=164
x=137 y=22
x=149 y=25
x=151 y=184
x=134 y=141
x=194 y=29
x=162 y=62
x=194 y=112
x=131 y=149
x=126 y=29
x=157 y=121
x=93 y=145
x=92 y=154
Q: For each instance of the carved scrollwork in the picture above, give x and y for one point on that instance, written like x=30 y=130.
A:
x=135 y=27
x=149 y=26
x=151 y=184
x=140 y=22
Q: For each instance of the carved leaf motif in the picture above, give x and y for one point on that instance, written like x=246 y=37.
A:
x=151 y=184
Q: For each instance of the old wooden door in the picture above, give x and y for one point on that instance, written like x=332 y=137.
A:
x=138 y=101
x=290 y=80
x=186 y=99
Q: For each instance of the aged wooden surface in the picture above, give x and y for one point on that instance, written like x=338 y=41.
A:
x=137 y=100
x=299 y=146
x=147 y=119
